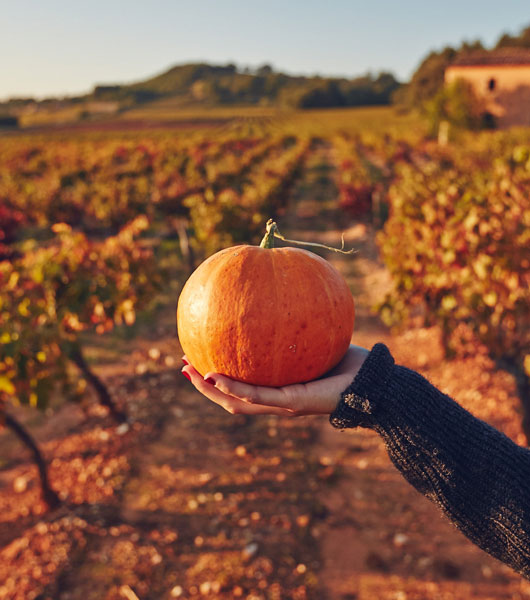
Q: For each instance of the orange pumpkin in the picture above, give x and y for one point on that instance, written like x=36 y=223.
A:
x=266 y=316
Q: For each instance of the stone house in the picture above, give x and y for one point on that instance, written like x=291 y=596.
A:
x=501 y=79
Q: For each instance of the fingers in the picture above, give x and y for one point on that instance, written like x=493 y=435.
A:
x=230 y=403
x=316 y=397
x=313 y=398
x=252 y=394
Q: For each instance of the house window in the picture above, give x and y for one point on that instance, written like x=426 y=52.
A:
x=491 y=84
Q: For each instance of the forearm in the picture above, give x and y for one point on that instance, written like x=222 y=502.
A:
x=477 y=475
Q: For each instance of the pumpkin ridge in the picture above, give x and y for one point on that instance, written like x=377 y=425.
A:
x=237 y=307
x=275 y=355
x=212 y=282
x=331 y=345
x=252 y=257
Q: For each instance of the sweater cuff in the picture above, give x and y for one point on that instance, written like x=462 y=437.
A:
x=360 y=401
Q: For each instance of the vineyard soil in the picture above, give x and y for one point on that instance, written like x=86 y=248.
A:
x=188 y=501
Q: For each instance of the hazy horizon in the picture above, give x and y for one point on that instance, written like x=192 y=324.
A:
x=59 y=49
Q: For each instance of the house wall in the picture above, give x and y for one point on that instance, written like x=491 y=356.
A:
x=509 y=100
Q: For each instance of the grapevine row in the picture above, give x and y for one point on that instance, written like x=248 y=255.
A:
x=457 y=246
x=65 y=281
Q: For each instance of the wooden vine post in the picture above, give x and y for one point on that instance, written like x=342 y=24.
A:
x=49 y=496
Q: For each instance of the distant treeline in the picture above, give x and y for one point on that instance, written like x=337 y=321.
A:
x=211 y=84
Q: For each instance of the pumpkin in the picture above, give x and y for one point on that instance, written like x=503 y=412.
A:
x=264 y=315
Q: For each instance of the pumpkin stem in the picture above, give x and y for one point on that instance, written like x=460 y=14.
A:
x=268 y=240
x=273 y=231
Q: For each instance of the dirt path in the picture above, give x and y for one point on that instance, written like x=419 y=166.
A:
x=381 y=539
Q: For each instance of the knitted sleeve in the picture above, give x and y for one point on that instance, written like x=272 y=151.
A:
x=474 y=473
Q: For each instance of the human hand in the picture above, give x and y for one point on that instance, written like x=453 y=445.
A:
x=318 y=397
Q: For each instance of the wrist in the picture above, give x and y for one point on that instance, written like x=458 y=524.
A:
x=361 y=399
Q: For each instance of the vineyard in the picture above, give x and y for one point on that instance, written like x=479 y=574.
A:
x=117 y=481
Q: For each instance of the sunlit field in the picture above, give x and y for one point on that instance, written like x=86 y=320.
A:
x=135 y=486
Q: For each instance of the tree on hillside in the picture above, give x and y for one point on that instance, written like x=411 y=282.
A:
x=516 y=41
x=458 y=105
x=319 y=92
x=264 y=70
x=428 y=79
x=323 y=95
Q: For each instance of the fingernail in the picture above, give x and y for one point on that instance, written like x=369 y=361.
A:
x=210 y=380
x=186 y=375
x=185 y=361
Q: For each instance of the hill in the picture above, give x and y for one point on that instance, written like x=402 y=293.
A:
x=201 y=83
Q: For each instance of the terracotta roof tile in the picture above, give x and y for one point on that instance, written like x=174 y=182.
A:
x=502 y=56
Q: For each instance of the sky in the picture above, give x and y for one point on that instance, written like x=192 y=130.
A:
x=64 y=47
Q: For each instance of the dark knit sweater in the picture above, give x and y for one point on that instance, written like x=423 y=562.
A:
x=476 y=475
